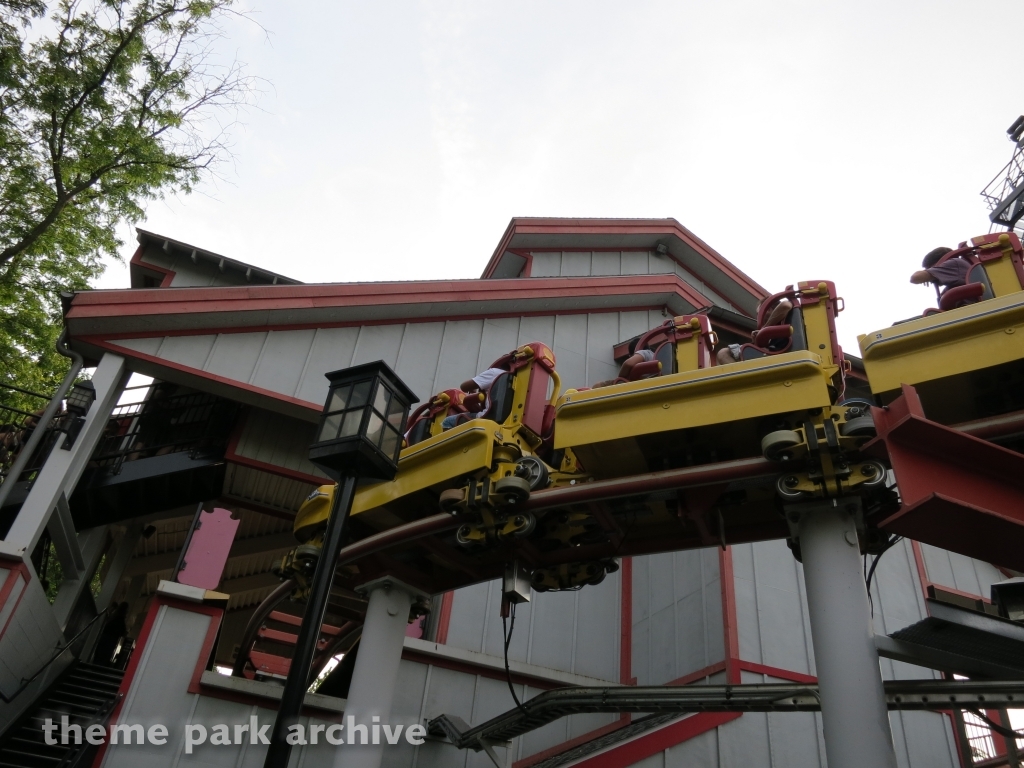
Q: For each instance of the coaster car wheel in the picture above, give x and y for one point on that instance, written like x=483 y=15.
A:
x=519 y=526
x=307 y=554
x=784 y=487
x=776 y=446
x=451 y=499
x=516 y=490
x=876 y=473
x=861 y=426
x=471 y=536
x=534 y=471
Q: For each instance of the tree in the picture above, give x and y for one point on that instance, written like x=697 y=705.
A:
x=104 y=105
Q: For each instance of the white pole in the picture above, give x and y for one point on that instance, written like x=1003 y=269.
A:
x=853 y=709
x=375 y=675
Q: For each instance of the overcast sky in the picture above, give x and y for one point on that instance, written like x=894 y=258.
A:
x=800 y=139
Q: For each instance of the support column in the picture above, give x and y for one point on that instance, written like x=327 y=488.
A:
x=62 y=469
x=372 y=690
x=853 y=709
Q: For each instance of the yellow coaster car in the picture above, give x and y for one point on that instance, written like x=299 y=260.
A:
x=967 y=361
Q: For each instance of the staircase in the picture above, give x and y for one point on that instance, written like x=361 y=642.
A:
x=87 y=694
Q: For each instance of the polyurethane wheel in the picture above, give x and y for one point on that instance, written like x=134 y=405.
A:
x=876 y=471
x=534 y=471
x=307 y=553
x=775 y=445
x=862 y=426
x=787 y=493
x=516 y=490
x=450 y=499
x=525 y=525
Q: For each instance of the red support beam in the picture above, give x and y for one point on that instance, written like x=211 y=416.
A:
x=958 y=492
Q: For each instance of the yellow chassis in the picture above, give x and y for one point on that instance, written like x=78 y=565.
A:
x=958 y=341
x=461 y=451
x=751 y=389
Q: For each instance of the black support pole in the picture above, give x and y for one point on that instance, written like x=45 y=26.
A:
x=309 y=633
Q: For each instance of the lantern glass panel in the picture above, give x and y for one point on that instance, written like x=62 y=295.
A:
x=360 y=394
x=380 y=402
x=389 y=444
x=329 y=431
x=80 y=398
x=396 y=413
x=374 y=428
x=339 y=399
x=352 y=420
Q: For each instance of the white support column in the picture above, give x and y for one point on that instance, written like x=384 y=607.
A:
x=93 y=543
x=119 y=562
x=376 y=670
x=62 y=469
x=853 y=709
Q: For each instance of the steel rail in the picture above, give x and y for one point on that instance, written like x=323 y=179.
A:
x=785 y=697
x=667 y=480
x=993 y=427
x=394 y=537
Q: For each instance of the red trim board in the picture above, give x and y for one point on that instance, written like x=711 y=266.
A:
x=729 y=620
x=17 y=570
x=558 y=749
x=444 y=618
x=168 y=275
x=626 y=624
x=658 y=741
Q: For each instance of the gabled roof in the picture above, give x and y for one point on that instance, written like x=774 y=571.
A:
x=525 y=235
x=198 y=256
x=120 y=313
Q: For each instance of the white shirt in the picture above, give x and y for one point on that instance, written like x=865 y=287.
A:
x=486 y=379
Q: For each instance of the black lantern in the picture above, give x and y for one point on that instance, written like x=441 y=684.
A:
x=81 y=398
x=360 y=432
x=78 y=401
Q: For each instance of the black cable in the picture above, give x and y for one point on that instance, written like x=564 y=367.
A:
x=507 y=632
x=996 y=727
x=871 y=571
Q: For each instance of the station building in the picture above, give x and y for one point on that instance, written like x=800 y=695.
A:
x=237 y=357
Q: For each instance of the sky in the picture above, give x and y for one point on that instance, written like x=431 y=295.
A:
x=802 y=140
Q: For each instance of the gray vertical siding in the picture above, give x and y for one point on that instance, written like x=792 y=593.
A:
x=575 y=632
x=677 y=615
x=188 y=275
x=603 y=263
x=429 y=357
x=771 y=607
x=948 y=569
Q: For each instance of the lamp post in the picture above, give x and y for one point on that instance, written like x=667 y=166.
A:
x=359 y=436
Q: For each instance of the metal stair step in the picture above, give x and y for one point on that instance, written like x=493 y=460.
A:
x=31 y=745
x=94 y=682
x=14 y=754
x=64 y=694
x=95 y=669
x=74 y=706
x=90 y=690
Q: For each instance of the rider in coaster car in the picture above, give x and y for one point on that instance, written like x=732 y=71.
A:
x=634 y=359
x=731 y=353
x=480 y=383
x=950 y=274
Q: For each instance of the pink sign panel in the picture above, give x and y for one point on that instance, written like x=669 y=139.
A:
x=208 y=551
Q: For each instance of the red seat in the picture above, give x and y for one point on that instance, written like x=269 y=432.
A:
x=963 y=294
x=643 y=370
x=772 y=333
